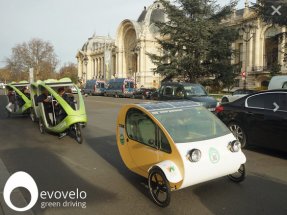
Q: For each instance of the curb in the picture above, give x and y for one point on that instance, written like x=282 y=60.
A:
x=16 y=196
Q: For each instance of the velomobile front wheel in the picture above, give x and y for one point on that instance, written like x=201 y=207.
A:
x=8 y=113
x=79 y=133
x=239 y=175
x=159 y=188
x=41 y=126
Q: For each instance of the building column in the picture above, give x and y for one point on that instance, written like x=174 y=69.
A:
x=281 y=50
x=233 y=48
x=257 y=48
x=250 y=54
x=120 y=64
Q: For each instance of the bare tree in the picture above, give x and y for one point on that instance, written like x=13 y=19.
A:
x=36 y=54
x=68 y=70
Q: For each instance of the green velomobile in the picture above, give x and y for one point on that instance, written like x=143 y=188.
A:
x=74 y=112
x=21 y=104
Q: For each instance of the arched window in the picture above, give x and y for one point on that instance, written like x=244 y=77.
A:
x=264 y=83
x=270 y=32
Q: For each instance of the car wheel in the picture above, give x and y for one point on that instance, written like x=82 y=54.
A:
x=239 y=175
x=151 y=98
x=143 y=97
x=224 y=100
x=41 y=126
x=159 y=187
x=90 y=94
x=116 y=95
x=239 y=133
x=105 y=94
x=79 y=133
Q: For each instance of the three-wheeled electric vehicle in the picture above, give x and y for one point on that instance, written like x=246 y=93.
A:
x=61 y=113
x=35 y=111
x=176 y=145
x=17 y=102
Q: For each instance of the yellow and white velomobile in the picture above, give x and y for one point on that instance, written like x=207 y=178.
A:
x=176 y=145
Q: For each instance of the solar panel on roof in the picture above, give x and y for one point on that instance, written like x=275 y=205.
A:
x=167 y=105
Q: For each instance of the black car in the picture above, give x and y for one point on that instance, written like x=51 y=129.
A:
x=154 y=95
x=258 y=119
x=187 y=91
x=143 y=93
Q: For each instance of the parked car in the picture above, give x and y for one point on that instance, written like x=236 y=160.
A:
x=175 y=145
x=154 y=95
x=187 y=91
x=258 y=119
x=120 y=87
x=94 y=87
x=278 y=82
x=236 y=95
x=143 y=93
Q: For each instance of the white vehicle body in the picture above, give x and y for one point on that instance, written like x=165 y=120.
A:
x=74 y=90
x=278 y=82
x=237 y=94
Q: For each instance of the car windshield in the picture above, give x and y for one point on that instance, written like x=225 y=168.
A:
x=195 y=90
x=190 y=124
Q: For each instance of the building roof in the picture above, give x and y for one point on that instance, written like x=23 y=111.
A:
x=97 y=41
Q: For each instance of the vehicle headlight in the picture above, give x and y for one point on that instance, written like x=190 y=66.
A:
x=235 y=146
x=194 y=155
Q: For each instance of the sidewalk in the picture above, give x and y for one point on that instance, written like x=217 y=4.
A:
x=16 y=196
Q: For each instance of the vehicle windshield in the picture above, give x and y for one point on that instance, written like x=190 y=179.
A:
x=195 y=90
x=190 y=124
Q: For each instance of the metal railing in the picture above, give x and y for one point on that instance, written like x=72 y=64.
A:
x=260 y=68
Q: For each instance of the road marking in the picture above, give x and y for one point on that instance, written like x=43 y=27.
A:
x=276 y=107
x=276 y=10
x=72 y=162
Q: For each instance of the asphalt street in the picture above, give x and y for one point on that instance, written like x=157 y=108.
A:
x=96 y=167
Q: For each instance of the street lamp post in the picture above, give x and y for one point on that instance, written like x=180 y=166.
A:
x=86 y=63
x=247 y=29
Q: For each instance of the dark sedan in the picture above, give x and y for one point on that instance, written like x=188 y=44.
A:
x=258 y=119
x=154 y=95
x=143 y=93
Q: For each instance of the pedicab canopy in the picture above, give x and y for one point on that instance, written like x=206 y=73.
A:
x=22 y=102
x=163 y=135
x=75 y=110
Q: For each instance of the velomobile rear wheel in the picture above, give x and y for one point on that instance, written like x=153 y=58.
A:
x=41 y=126
x=8 y=113
x=32 y=115
x=159 y=187
x=239 y=175
x=79 y=133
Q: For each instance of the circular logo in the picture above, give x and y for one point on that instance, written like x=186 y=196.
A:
x=21 y=179
x=122 y=139
x=214 y=155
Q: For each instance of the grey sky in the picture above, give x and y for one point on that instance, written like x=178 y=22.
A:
x=67 y=24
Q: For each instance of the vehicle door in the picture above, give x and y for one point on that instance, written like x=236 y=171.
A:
x=102 y=87
x=236 y=95
x=138 y=92
x=178 y=92
x=167 y=93
x=255 y=119
x=110 y=89
x=131 y=88
x=275 y=114
x=141 y=131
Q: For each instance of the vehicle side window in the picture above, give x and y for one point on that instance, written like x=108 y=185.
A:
x=111 y=85
x=131 y=85
x=140 y=127
x=168 y=90
x=237 y=92
x=256 y=101
x=116 y=85
x=162 y=89
x=102 y=85
x=278 y=98
x=98 y=85
x=127 y=85
x=178 y=91
x=163 y=142
x=284 y=85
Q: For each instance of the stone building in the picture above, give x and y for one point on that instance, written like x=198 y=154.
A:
x=259 y=53
x=129 y=59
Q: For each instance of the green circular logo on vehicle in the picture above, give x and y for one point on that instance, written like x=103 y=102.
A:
x=214 y=155
x=122 y=139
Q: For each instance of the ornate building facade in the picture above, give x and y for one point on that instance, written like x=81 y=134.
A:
x=129 y=60
x=258 y=54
